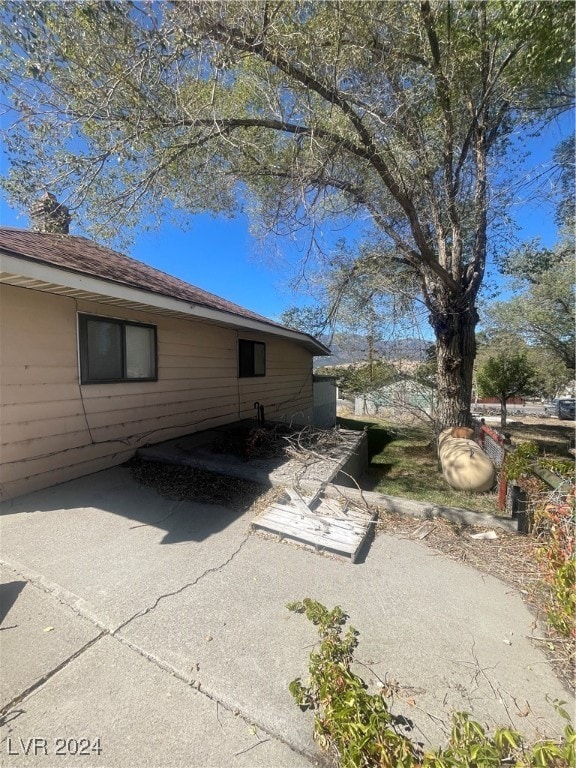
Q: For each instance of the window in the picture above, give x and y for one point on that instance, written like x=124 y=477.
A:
x=251 y=358
x=116 y=350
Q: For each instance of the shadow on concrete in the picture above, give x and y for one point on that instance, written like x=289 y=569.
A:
x=190 y=487
x=201 y=503
x=9 y=593
x=149 y=494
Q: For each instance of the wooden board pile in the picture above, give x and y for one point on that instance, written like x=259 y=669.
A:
x=330 y=525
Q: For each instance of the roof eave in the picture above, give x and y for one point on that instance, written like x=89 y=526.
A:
x=57 y=276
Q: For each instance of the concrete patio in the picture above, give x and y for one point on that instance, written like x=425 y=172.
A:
x=160 y=628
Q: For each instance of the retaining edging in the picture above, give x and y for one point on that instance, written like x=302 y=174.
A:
x=425 y=510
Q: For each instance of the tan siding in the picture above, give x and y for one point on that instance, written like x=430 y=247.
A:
x=25 y=374
x=31 y=430
x=173 y=345
x=286 y=390
x=69 y=453
x=205 y=366
x=40 y=480
x=42 y=409
x=52 y=429
x=38 y=449
x=194 y=392
x=37 y=411
x=14 y=394
x=155 y=429
x=143 y=416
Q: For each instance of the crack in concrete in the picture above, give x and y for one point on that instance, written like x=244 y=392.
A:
x=214 y=569
x=44 y=679
x=313 y=758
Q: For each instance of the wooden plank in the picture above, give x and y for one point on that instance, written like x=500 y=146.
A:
x=332 y=507
x=296 y=514
x=314 y=538
x=341 y=522
x=310 y=537
x=299 y=502
x=320 y=528
x=332 y=531
x=342 y=531
x=339 y=527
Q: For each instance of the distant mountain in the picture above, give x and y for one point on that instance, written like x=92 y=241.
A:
x=353 y=348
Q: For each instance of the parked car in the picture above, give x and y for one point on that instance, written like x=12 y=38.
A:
x=551 y=408
x=566 y=408
x=562 y=408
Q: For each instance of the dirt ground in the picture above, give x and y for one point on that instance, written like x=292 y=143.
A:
x=552 y=435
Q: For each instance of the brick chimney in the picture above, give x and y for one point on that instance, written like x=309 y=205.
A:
x=48 y=215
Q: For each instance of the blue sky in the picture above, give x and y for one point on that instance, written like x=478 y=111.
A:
x=220 y=255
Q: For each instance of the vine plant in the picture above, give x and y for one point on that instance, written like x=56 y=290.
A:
x=358 y=729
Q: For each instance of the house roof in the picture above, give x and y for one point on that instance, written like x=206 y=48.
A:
x=81 y=256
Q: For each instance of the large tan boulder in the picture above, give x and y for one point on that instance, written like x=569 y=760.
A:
x=465 y=466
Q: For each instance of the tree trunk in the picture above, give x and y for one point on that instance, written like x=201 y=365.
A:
x=371 y=356
x=454 y=321
x=503 y=411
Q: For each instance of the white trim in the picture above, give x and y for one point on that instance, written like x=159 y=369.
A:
x=21 y=267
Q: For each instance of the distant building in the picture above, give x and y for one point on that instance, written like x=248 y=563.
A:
x=395 y=399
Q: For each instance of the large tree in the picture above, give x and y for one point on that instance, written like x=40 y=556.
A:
x=389 y=113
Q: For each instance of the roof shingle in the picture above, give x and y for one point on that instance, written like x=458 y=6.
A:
x=84 y=256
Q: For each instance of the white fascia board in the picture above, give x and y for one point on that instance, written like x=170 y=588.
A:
x=65 y=278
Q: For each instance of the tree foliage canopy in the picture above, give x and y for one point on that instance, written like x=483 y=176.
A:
x=384 y=112
x=542 y=311
x=506 y=375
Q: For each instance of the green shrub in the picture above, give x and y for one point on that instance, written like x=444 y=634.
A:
x=359 y=731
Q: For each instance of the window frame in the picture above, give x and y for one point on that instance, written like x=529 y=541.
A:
x=83 y=359
x=250 y=344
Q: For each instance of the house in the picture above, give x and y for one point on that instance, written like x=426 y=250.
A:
x=101 y=354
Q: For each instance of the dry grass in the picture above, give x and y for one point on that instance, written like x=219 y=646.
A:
x=553 y=437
